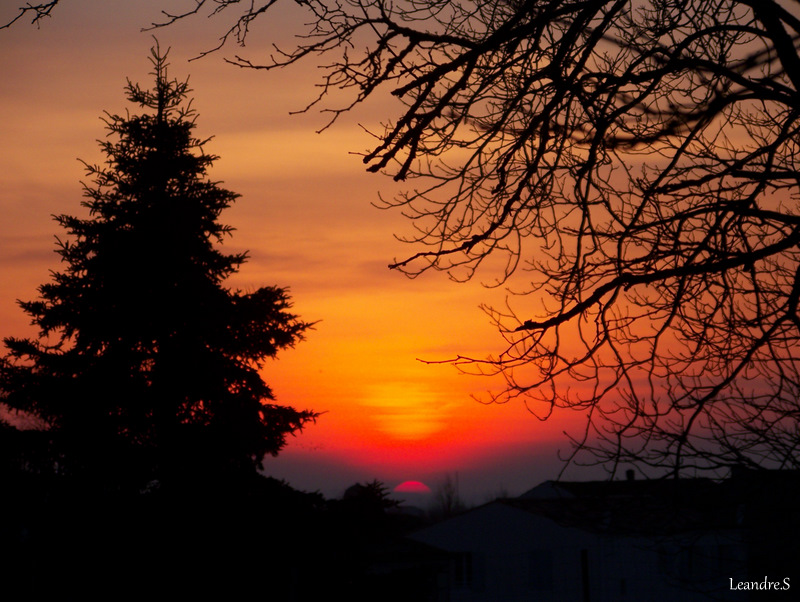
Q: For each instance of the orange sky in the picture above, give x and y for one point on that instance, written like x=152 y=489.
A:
x=306 y=218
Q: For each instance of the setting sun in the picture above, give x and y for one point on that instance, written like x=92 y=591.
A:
x=412 y=487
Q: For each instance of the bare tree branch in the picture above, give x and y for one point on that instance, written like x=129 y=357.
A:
x=638 y=160
x=633 y=167
x=37 y=12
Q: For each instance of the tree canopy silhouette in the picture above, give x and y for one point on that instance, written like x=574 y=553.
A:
x=633 y=164
x=146 y=366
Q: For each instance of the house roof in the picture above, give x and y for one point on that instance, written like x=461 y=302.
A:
x=645 y=508
x=659 y=506
x=632 y=507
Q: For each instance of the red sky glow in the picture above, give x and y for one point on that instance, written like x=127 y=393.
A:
x=305 y=215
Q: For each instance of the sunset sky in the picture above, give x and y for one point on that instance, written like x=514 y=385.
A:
x=306 y=217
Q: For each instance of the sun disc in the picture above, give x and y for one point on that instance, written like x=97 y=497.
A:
x=412 y=487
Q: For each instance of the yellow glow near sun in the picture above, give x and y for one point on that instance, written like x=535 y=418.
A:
x=405 y=411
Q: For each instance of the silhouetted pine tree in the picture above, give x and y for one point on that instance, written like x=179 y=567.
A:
x=146 y=366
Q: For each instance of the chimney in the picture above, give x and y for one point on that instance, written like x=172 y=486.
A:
x=630 y=475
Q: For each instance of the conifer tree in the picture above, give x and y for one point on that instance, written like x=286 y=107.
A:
x=146 y=367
